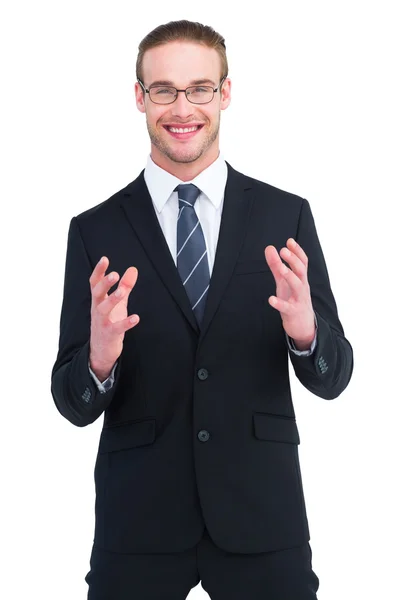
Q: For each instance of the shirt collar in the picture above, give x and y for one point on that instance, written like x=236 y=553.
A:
x=211 y=182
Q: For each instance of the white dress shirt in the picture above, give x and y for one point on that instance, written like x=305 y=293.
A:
x=208 y=206
x=211 y=183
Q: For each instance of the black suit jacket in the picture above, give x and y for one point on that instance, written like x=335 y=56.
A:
x=199 y=427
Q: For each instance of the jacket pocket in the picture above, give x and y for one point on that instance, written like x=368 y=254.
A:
x=275 y=428
x=128 y=435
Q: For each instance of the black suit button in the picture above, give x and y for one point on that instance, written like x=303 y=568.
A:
x=202 y=374
x=203 y=435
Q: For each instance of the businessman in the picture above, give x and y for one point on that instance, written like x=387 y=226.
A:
x=185 y=294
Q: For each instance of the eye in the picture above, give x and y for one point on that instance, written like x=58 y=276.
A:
x=160 y=91
x=199 y=90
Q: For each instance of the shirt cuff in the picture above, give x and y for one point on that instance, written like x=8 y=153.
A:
x=107 y=384
x=304 y=352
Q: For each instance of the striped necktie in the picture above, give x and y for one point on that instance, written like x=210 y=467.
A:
x=192 y=261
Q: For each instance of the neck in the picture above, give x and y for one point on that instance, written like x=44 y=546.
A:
x=183 y=171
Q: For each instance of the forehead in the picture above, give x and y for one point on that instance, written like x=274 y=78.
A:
x=181 y=63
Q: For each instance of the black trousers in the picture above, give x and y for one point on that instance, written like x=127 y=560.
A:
x=281 y=575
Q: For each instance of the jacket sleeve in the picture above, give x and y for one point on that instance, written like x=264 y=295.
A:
x=105 y=385
x=74 y=391
x=327 y=371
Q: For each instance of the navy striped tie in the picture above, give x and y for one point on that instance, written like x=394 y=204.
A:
x=192 y=261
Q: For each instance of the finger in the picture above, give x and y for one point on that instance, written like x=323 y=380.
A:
x=294 y=262
x=298 y=250
x=105 y=306
x=99 y=271
x=100 y=290
x=119 y=327
x=274 y=261
x=122 y=292
x=284 y=307
x=295 y=284
x=129 y=278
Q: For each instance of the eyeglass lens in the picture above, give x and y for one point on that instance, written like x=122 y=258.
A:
x=195 y=94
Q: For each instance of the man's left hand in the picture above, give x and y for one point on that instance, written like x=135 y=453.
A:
x=293 y=298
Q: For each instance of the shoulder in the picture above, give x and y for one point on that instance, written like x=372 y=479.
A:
x=110 y=207
x=265 y=191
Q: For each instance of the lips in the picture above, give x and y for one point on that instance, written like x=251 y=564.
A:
x=183 y=135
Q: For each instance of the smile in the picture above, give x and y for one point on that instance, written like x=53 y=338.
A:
x=182 y=132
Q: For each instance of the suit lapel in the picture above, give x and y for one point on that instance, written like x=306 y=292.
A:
x=234 y=219
x=139 y=210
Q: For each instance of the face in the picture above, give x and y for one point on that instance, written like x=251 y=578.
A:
x=182 y=64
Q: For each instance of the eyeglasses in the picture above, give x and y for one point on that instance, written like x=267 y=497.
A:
x=196 y=94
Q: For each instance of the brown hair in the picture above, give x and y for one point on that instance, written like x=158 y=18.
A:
x=183 y=30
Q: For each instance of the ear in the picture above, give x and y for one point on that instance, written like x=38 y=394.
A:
x=140 y=97
x=226 y=94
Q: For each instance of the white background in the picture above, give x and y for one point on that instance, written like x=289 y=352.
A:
x=315 y=111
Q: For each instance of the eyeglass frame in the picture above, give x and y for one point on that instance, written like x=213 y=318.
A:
x=147 y=91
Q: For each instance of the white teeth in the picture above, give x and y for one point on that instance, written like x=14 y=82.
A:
x=185 y=130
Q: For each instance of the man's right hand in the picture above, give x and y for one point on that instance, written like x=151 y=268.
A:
x=109 y=316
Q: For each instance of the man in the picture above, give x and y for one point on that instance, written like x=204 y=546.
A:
x=186 y=354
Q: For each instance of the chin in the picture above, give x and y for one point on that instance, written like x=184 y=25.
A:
x=181 y=154
x=184 y=156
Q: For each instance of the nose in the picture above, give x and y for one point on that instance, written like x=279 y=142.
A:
x=182 y=108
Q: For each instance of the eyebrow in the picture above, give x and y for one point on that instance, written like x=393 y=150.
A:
x=193 y=82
